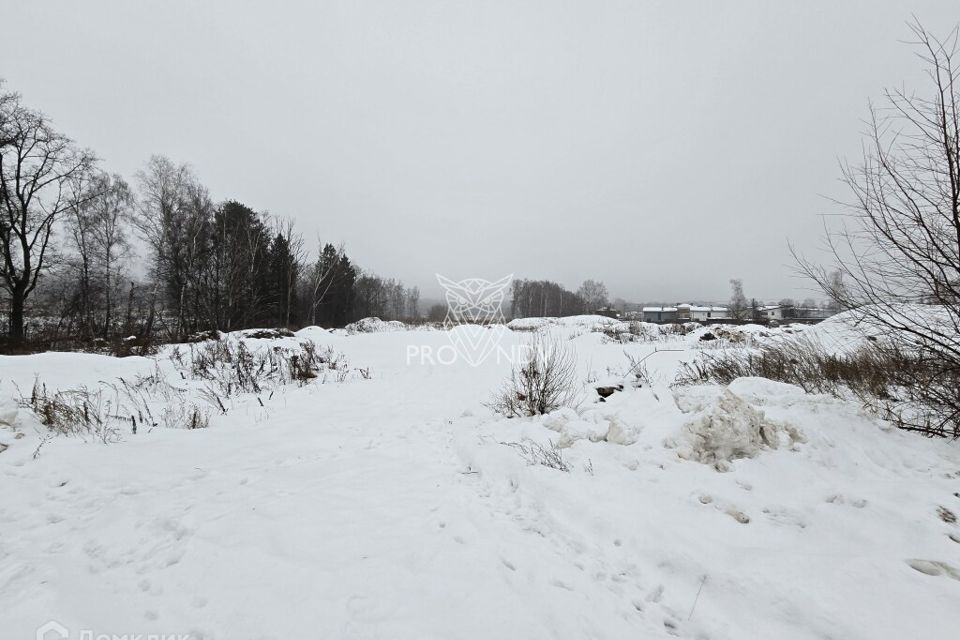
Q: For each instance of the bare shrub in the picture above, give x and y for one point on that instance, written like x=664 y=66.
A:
x=224 y=368
x=881 y=374
x=132 y=346
x=302 y=368
x=638 y=369
x=896 y=252
x=546 y=381
x=679 y=329
x=185 y=416
x=801 y=362
x=638 y=366
x=229 y=367
x=267 y=334
x=78 y=412
x=629 y=332
x=232 y=368
x=536 y=454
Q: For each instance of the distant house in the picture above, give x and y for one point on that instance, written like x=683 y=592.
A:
x=773 y=312
x=695 y=313
x=659 y=314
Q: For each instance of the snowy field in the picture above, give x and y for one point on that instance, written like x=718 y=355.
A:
x=383 y=499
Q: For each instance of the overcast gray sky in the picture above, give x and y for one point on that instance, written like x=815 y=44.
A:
x=662 y=147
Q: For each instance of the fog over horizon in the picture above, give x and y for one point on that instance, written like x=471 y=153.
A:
x=662 y=148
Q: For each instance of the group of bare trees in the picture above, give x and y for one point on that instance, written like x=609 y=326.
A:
x=531 y=298
x=214 y=266
x=88 y=257
x=96 y=231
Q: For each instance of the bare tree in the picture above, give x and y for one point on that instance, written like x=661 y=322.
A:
x=100 y=208
x=174 y=217
x=834 y=288
x=897 y=249
x=413 y=303
x=113 y=207
x=79 y=224
x=37 y=164
x=739 y=307
x=289 y=266
x=594 y=295
x=162 y=187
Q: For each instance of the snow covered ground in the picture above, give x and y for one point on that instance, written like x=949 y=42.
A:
x=389 y=502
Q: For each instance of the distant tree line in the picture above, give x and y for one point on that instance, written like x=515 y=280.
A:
x=84 y=255
x=532 y=298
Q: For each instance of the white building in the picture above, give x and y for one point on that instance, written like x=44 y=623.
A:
x=771 y=312
x=697 y=313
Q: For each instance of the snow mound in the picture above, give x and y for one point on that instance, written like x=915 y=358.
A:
x=587 y=322
x=8 y=411
x=592 y=427
x=848 y=331
x=8 y=404
x=731 y=429
x=529 y=324
x=761 y=390
x=375 y=325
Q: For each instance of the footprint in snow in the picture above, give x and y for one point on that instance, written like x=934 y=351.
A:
x=738 y=515
x=671 y=627
x=731 y=511
x=934 y=568
x=839 y=498
x=783 y=515
x=148 y=587
x=656 y=595
x=561 y=584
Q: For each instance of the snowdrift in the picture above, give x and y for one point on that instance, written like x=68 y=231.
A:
x=375 y=325
x=395 y=504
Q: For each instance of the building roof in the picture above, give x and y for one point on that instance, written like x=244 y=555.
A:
x=694 y=308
